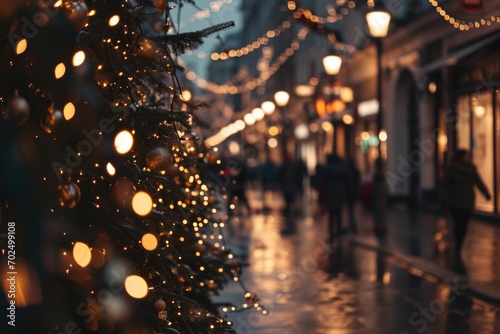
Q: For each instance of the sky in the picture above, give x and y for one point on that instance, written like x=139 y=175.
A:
x=214 y=12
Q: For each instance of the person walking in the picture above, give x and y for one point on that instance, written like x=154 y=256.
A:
x=460 y=179
x=334 y=176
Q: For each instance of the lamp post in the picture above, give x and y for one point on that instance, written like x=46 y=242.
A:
x=378 y=24
x=281 y=98
x=332 y=64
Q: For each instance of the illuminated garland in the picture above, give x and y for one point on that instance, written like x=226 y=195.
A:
x=333 y=15
x=215 y=6
x=318 y=22
x=463 y=24
x=243 y=51
x=256 y=82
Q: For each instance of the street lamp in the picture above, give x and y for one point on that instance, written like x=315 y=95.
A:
x=332 y=64
x=378 y=25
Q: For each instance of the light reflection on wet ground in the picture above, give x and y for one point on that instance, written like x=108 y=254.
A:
x=311 y=287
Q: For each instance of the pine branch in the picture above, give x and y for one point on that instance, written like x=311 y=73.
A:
x=189 y=41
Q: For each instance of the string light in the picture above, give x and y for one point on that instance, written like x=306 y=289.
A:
x=124 y=142
x=334 y=17
x=149 y=242
x=142 y=203
x=60 y=70
x=464 y=25
x=136 y=286
x=21 y=46
x=110 y=169
x=78 y=58
x=255 y=82
x=250 y=47
x=215 y=6
x=333 y=14
x=69 y=111
x=113 y=20
x=82 y=254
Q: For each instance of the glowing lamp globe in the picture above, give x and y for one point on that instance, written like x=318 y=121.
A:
x=378 y=23
x=332 y=64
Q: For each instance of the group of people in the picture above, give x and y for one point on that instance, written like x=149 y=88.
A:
x=286 y=178
x=338 y=182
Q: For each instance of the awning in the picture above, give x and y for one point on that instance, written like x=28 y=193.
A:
x=455 y=56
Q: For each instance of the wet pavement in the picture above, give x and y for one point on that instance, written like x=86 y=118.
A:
x=309 y=286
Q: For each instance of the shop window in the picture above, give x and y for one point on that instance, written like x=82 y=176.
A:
x=482 y=144
x=463 y=123
x=476 y=134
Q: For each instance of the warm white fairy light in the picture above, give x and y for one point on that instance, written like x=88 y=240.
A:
x=334 y=15
x=60 y=70
x=136 y=286
x=124 y=141
x=110 y=169
x=21 y=46
x=464 y=25
x=78 y=58
x=142 y=203
x=113 y=20
x=149 y=242
x=255 y=45
x=69 y=111
x=82 y=254
x=254 y=83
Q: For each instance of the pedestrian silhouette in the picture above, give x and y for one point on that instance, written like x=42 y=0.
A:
x=461 y=177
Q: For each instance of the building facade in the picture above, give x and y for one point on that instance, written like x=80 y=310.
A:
x=440 y=94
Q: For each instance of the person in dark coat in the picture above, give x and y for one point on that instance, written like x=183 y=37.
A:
x=461 y=177
x=334 y=177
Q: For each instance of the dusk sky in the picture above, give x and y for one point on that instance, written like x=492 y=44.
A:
x=229 y=11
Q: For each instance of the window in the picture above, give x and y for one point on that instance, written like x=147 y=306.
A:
x=482 y=144
x=475 y=133
x=463 y=123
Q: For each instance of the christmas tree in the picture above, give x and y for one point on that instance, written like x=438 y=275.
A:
x=111 y=225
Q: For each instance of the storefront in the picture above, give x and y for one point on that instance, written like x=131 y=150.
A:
x=366 y=139
x=476 y=96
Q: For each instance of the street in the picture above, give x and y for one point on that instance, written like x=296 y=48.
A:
x=311 y=287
